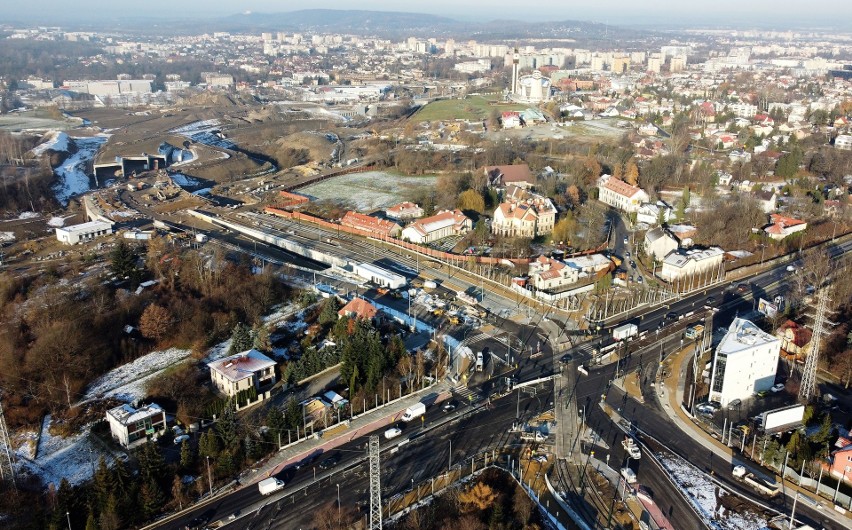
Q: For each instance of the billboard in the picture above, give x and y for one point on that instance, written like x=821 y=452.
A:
x=767 y=308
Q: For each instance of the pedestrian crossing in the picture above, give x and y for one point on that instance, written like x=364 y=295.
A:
x=463 y=393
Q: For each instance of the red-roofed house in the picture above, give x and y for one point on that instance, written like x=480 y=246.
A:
x=547 y=274
x=781 y=226
x=443 y=224
x=795 y=340
x=511 y=119
x=379 y=227
x=528 y=218
x=764 y=120
x=621 y=195
x=502 y=176
x=404 y=211
x=359 y=309
x=840 y=464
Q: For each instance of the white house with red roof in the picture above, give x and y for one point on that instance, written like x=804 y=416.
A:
x=242 y=372
x=781 y=226
x=359 y=309
x=443 y=224
x=547 y=274
x=534 y=216
x=511 y=119
x=620 y=195
x=404 y=211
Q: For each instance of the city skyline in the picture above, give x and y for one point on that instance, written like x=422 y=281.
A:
x=785 y=13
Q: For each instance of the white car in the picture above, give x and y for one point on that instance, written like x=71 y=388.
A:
x=777 y=387
x=392 y=433
x=180 y=439
x=791 y=268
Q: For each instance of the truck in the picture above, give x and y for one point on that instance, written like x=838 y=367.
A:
x=770 y=489
x=270 y=485
x=414 y=411
x=779 y=420
x=429 y=284
x=629 y=475
x=625 y=331
x=631 y=448
x=534 y=436
x=693 y=332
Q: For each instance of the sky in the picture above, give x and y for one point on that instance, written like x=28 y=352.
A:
x=788 y=13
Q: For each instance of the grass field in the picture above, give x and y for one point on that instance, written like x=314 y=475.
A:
x=470 y=108
x=370 y=190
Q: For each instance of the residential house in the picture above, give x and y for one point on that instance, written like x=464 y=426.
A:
x=502 y=176
x=511 y=119
x=548 y=274
x=374 y=225
x=404 y=211
x=247 y=376
x=132 y=426
x=359 y=309
x=795 y=340
x=688 y=263
x=781 y=226
x=532 y=217
x=652 y=213
x=840 y=461
x=660 y=242
x=767 y=199
x=745 y=362
x=620 y=195
x=443 y=224
x=591 y=265
x=843 y=141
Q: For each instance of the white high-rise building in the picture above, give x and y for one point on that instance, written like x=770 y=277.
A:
x=745 y=363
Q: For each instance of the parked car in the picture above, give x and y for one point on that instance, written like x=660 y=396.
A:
x=791 y=268
x=777 y=387
x=633 y=264
x=180 y=439
x=639 y=279
x=392 y=433
x=671 y=315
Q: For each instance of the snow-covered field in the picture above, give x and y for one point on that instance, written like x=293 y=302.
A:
x=72 y=458
x=127 y=382
x=370 y=190
x=29 y=215
x=203 y=133
x=55 y=222
x=6 y=237
x=705 y=496
x=184 y=181
x=56 y=141
x=73 y=179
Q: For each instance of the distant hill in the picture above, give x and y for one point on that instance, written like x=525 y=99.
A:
x=393 y=24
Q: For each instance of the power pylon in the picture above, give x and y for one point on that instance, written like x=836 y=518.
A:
x=7 y=468
x=375 y=485
x=808 y=386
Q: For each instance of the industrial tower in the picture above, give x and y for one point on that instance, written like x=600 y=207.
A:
x=808 y=386
x=375 y=485
x=7 y=469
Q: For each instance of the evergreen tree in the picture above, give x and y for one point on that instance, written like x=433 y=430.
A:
x=151 y=463
x=241 y=339
x=110 y=519
x=151 y=499
x=91 y=522
x=328 y=315
x=103 y=483
x=186 y=456
x=262 y=340
x=275 y=423
x=226 y=428
x=208 y=445
x=293 y=414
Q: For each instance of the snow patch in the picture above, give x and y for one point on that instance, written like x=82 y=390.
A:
x=205 y=132
x=184 y=181
x=28 y=215
x=7 y=237
x=56 y=222
x=56 y=141
x=705 y=496
x=73 y=179
x=128 y=381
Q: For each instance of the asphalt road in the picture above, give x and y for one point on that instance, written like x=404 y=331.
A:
x=468 y=431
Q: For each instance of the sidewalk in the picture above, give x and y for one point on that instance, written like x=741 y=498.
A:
x=341 y=434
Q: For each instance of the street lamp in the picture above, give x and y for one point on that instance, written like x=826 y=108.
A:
x=338 y=504
x=839 y=482
x=209 y=477
x=68 y=517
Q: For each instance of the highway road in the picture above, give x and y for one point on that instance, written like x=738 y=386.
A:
x=467 y=430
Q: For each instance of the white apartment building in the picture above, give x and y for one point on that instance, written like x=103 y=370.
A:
x=131 y=426
x=691 y=263
x=843 y=141
x=745 y=363
x=620 y=195
x=743 y=110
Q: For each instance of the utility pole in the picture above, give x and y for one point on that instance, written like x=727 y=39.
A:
x=7 y=468
x=806 y=390
x=375 y=485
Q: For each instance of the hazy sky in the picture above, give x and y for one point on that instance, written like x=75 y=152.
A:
x=693 y=12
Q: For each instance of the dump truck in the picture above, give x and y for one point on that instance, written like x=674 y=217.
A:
x=770 y=489
x=270 y=485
